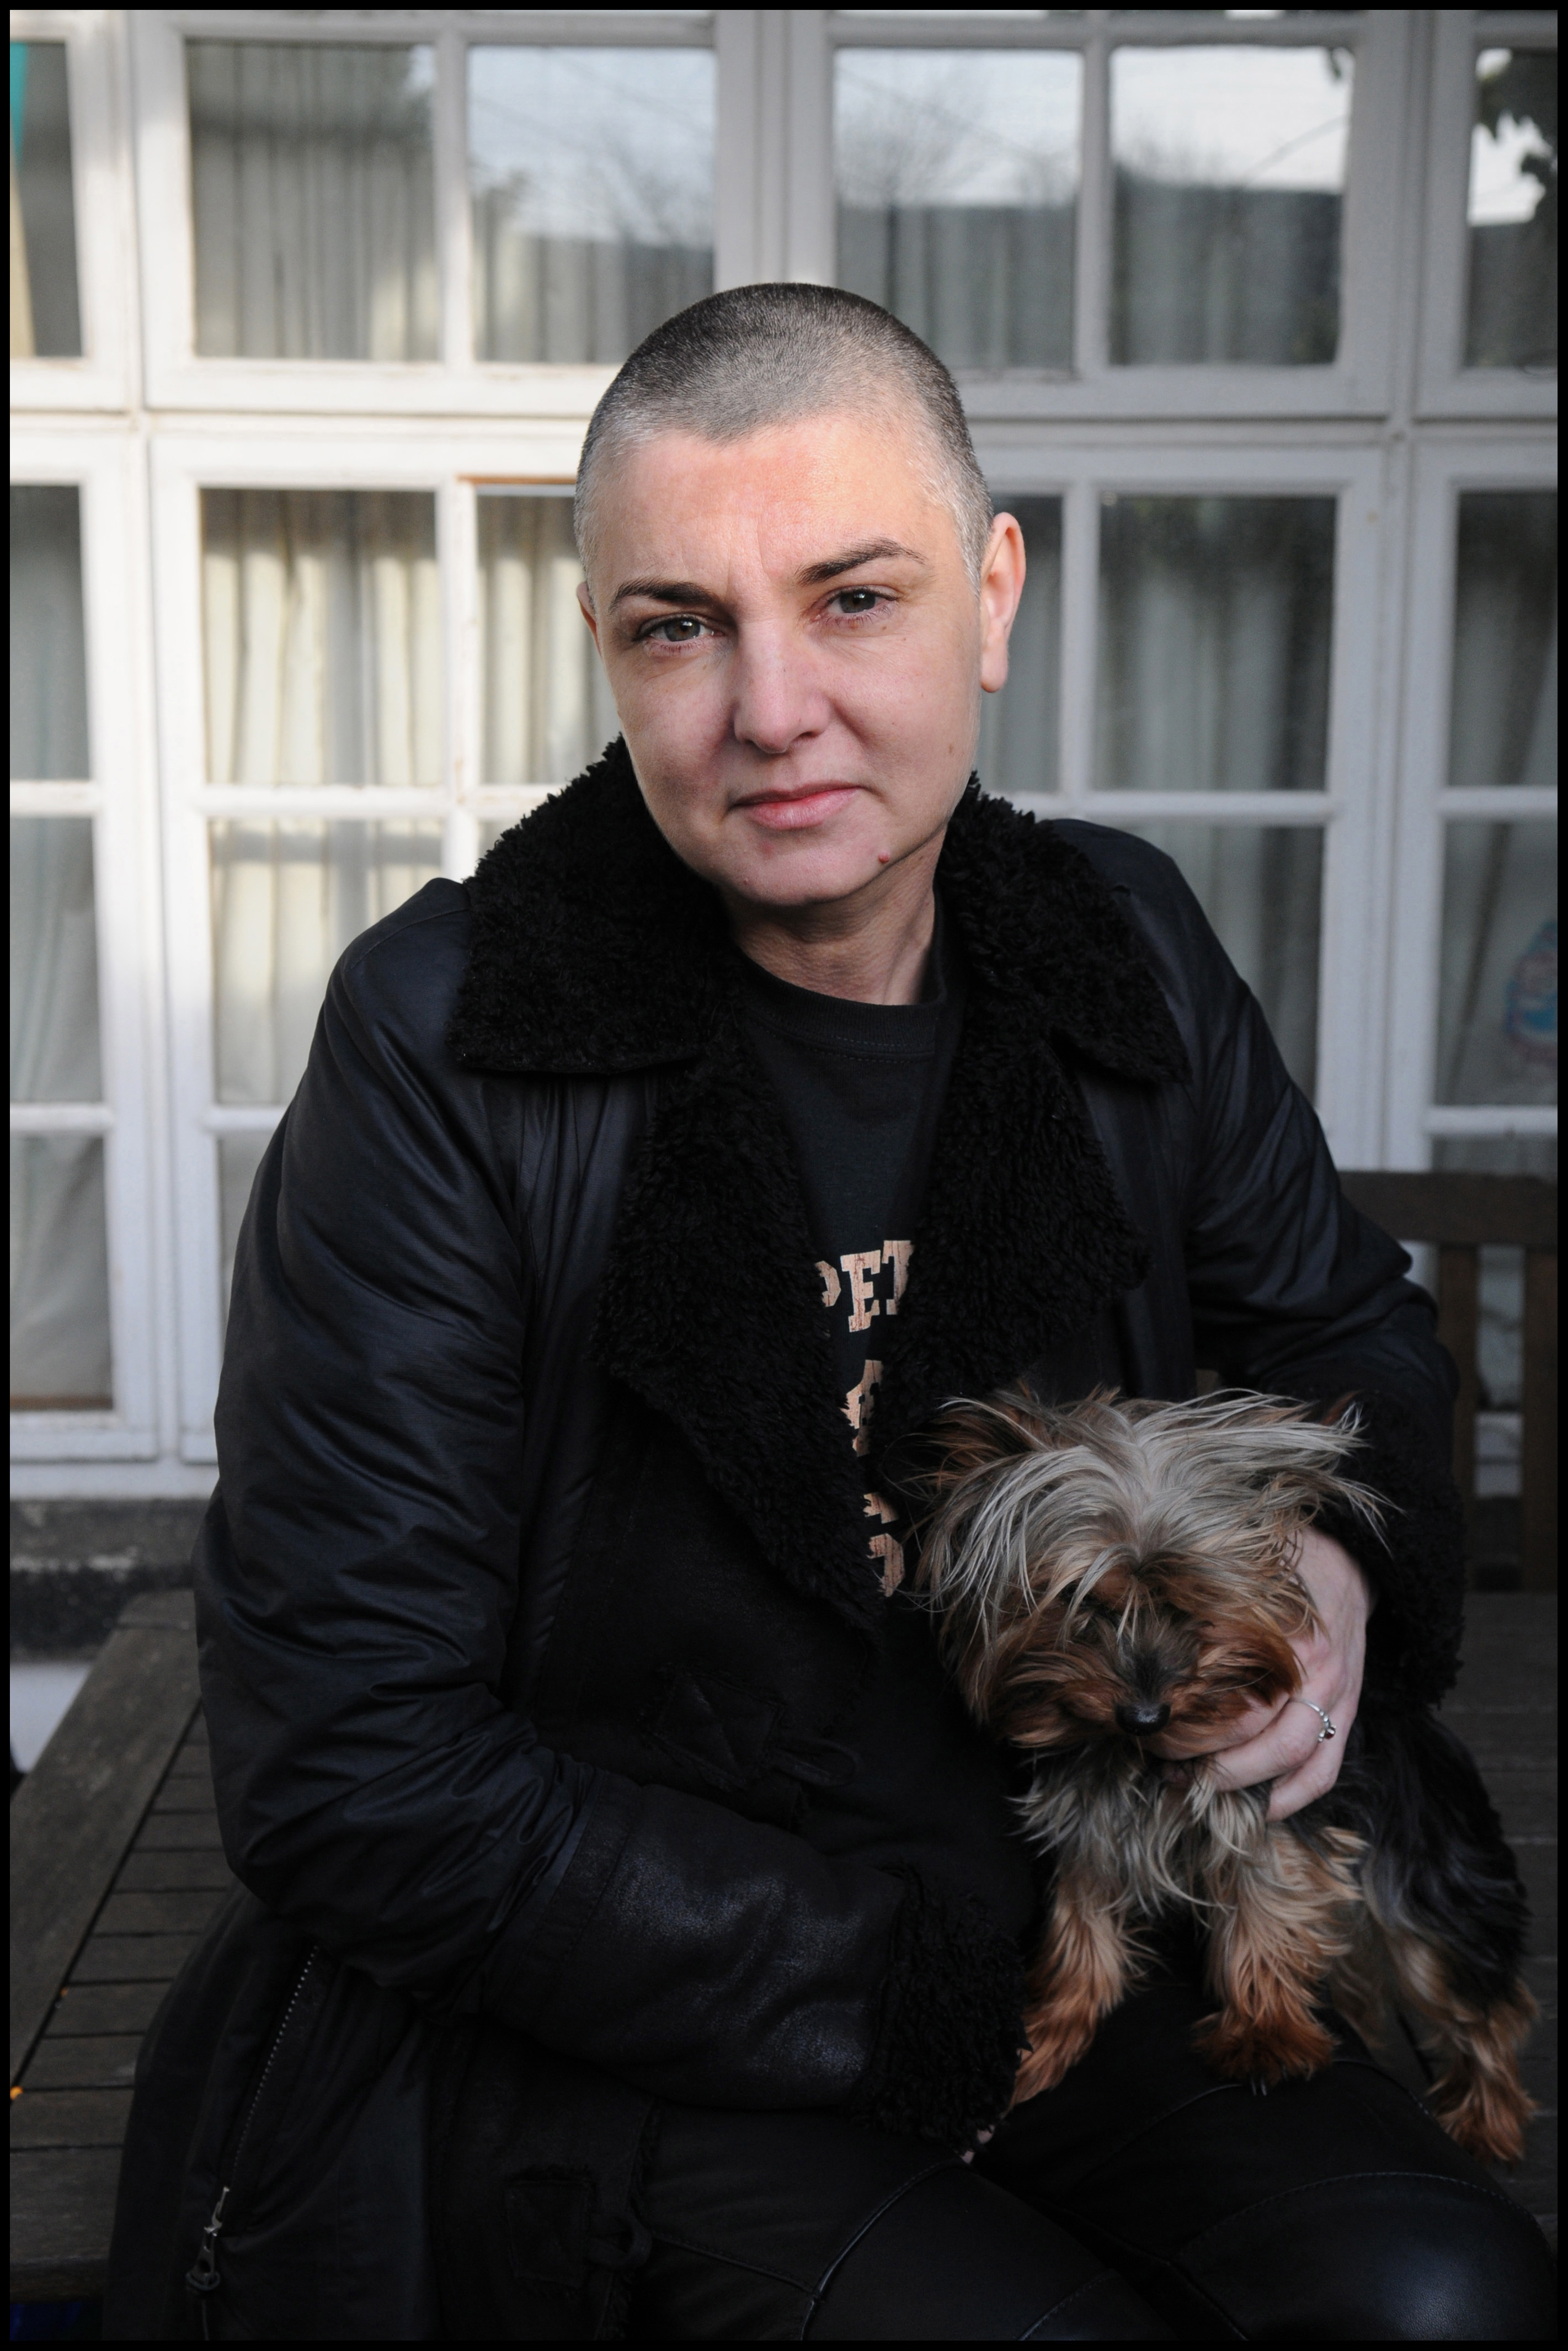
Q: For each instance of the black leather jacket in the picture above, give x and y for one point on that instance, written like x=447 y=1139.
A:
x=535 y=1588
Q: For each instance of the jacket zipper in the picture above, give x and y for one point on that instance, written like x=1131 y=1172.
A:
x=202 y=2277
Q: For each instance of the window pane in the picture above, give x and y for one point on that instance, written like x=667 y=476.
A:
x=1503 y=727
x=1230 y=185
x=315 y=200
x=59 y=1275
x=286 y=900
x=46 y=320
x=1511 y=317
x=958 y=184
x=1215 y=616
x=239 y=1156
x=49 y=643
x=591 y=173
x=54 y=962
x=1261 y=888
x=1497 y=1018
x=321 y=618
x=1020 y=726
x=547 y=708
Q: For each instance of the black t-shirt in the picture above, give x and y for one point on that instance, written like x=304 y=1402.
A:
x=862 y=1086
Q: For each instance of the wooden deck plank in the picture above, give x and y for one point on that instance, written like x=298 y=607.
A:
x=76 y=1812
x=162 y=1872
x=62 y=2210
x=85 y=2009
x=132 y=1959
x=105 y=2062
x=183 y=1910
x=179 y=1833
x=75 y=2117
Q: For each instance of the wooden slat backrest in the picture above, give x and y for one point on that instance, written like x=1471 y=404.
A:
x=1459 y=1215
x=114 y=1874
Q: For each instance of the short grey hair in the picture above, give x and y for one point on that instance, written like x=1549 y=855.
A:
x=765 y=355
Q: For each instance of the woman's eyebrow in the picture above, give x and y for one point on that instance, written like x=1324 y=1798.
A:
x=662 y=591
x=876 y=550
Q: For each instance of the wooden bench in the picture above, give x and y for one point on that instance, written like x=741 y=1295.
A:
x=1460 y=1215
x=116 y=1867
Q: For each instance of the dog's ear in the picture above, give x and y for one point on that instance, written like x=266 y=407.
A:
x=968 y=1434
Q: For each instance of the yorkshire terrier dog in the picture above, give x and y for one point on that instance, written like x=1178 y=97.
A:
x=1115 y=1570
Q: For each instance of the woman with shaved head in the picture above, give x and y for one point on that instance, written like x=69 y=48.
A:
x=632 y=1921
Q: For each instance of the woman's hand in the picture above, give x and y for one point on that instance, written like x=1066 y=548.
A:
x=1284 y=1742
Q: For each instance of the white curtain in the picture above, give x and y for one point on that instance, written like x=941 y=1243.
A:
x=547 y=707
x=313 y=201
x=59 y=1273
x=322 y=649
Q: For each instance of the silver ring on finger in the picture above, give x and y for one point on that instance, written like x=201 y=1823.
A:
x=1330 y=1729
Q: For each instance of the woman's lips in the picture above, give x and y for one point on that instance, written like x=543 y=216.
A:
x=795 y=811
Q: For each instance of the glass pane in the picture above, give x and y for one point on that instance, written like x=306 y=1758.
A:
x=59 y=1275
x=286 y=900
x=321 y=613
x=1229 y=186
x=591 y=173
x=1497 y=1155
x=1216 y=617
x=547 y=707
x=958 y=185
x=314 y=196
x=1503 y=727
x=48 y=641
x=1020 y=726
x=1261 y=888
x=239 y=1156
x=45 y=318
x=54 y=962
x=1512 y=313
x=1497 y=1003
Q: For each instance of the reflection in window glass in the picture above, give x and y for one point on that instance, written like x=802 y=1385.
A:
x=1511 y=318
x=48 y=641
x=547 y=708
x=321 y=637
x=1019 y=727
x=45 y=318
x=1261 y=888
x=1216 y=618
x=591 y=173
x=54 y=962
x=286 y=900
x=1229 y=188
x=239 y=1156
x=1504 y=719
x=59 y=1275
x=1496 y=1001
x=958 y=184
x=313 y=201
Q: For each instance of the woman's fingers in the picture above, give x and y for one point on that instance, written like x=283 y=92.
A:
x=1282 y=1749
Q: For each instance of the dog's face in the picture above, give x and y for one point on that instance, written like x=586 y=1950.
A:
x=1125 y=1571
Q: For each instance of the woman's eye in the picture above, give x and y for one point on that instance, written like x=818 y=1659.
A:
x=680 y=629
x=856 y=601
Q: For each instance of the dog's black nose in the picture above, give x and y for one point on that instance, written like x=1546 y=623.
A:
x=1141 y=1720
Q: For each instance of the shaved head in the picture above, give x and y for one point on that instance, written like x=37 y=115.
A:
x=763 y=355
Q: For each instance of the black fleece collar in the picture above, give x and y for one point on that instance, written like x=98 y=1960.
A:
x=597 y=953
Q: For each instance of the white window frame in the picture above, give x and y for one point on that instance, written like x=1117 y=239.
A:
x=1445 y=468
x=1356 y=848
x=120 y=800
x=450 y=463
x=453 y=384
x=103 y=194
x=1448 y=388
x=1358 y=381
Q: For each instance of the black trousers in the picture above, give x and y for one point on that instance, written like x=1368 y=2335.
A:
x=1141 y=2201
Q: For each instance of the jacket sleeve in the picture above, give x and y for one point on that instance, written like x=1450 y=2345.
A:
x=1294 y=1292
x=355 y=1579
